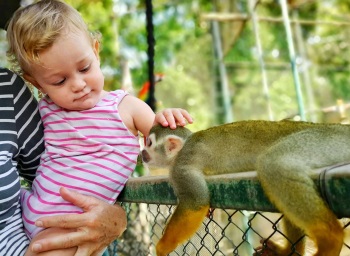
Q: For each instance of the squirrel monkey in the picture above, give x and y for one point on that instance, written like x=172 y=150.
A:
x=282 y=153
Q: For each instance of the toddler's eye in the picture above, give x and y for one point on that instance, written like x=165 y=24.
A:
x=60 y=82
x=85 y=69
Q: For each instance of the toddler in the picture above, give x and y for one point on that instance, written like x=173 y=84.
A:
x=91 y=135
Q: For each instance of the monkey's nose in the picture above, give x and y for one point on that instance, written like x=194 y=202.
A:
x=145 y=156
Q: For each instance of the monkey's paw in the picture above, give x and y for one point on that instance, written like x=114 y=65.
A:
x=268 y=248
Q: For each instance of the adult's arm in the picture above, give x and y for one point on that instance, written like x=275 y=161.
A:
x=96 y=228
x=29 y=128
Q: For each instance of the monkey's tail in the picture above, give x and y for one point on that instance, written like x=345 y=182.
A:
x=182 y=225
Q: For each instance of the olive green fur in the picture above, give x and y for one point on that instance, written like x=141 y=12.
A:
x=283 y=154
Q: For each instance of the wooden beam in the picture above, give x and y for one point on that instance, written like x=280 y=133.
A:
x=242 y=191
x=223 y=17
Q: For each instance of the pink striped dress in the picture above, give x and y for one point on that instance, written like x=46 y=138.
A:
x=89 y=151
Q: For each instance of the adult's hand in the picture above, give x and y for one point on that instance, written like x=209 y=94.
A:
x=97 y=227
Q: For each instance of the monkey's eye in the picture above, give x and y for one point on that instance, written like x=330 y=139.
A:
x=148 y=142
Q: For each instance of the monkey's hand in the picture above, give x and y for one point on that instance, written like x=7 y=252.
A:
x=270 y=249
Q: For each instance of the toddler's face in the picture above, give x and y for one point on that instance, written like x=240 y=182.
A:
x=69 y=72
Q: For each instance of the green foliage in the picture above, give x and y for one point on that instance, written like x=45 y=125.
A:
x=174 y=25
x=183 y=53
x=102 y=20
x=322 y=52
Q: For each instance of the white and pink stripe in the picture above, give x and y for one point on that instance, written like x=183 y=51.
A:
x=89 y=151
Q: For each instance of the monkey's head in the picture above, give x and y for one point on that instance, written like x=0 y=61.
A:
x=163 y=144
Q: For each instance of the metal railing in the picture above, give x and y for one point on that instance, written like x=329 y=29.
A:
x=241 y=218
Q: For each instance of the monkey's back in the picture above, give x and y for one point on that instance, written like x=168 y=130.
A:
x=283 y=153
x=240 y=143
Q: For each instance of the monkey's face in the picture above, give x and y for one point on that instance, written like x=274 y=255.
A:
x=148 y=147
x=151 y=154
x=160 y=152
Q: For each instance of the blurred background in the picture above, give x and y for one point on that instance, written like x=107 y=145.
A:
x=228 y=60
x=223 y=61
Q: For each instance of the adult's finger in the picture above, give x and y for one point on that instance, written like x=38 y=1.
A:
x=97 y=226
x=71 y=220
x=64 y=221
x=80 y=200
x=59 y=241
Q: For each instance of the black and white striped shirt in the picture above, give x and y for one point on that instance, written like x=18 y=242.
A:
x=21 y=141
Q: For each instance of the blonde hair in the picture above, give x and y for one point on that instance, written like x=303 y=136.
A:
x=36 y=27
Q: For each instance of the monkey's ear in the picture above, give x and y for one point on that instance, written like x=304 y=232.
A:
x=173 y=144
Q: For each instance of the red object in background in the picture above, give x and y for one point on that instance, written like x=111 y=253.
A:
x=143 y=93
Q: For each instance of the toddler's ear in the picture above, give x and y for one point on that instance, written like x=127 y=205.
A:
x=31 y=80
x=96 y=48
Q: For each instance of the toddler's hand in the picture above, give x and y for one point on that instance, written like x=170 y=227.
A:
x=172 y=117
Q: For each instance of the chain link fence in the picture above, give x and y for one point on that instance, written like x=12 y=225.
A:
x=150 y=201
x=223 y=232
